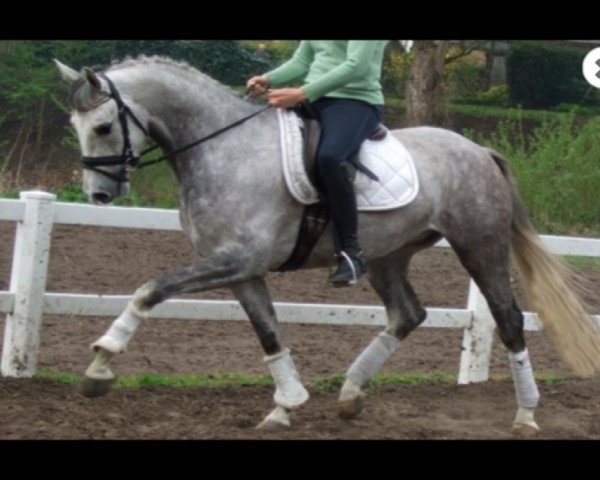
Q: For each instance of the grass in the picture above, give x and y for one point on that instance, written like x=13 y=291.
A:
x=330 y=383
x=584 y=263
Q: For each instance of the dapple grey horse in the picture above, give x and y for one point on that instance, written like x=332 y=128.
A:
x=241 y=219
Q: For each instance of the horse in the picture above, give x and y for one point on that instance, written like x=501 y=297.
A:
x=243 y=222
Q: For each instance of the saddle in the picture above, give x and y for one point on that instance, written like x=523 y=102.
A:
x=315 y=217
x=311 y=135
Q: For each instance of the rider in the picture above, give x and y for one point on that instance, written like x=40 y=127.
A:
x=341 y=80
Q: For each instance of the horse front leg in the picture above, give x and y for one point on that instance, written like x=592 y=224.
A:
x=221 y=270
x=254 y=297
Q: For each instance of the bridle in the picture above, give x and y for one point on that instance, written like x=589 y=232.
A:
x=127 y=160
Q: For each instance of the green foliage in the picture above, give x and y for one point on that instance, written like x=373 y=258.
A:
x=394 y=72
x=27 y=74
x=25 y=81
x=557 y=171
x=495 y=96
x=330 y=383
x=228 y=61
x=474 y=109
x=33 y=98
x=584 y=263
x=192 y=380
x=485 y=111
x=154 y=186
x=577 y=109
x=381 y=379
x=279 y=50
x=71 y=193
x=465 y=78
x=12 y=193
x=542 y=76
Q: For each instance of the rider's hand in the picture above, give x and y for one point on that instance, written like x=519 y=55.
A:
x=285 y=97
x=257 y=85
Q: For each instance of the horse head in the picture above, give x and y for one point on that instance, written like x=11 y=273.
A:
x=111 y=129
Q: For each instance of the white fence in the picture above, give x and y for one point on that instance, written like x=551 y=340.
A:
x=27 y=300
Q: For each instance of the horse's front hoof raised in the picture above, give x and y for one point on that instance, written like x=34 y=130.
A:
x=521 y=430
x=92 y=388
x=351 y=408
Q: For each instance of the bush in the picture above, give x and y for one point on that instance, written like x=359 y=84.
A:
x=496 y=96
x=577 y=109
x=279 y=50
x=394 y=71
x=466 y=78
x=228 y=61
x=557 y=171
x=542 y=76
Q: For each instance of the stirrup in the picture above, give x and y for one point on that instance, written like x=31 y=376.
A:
x=349 y=270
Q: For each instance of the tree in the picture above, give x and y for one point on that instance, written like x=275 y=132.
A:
x=425 y=90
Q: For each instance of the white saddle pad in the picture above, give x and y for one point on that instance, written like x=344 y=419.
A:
x=398 y=183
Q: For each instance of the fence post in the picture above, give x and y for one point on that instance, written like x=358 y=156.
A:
x=477 y=340
x=28 y=283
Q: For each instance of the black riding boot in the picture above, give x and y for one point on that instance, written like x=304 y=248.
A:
x=351 y=266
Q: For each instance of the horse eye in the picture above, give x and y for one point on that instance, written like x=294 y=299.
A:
x=103 y=129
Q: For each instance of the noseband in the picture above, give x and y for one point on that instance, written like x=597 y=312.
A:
x=127 y=159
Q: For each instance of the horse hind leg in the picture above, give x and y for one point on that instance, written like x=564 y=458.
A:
x=388 y=276
x=488 y=265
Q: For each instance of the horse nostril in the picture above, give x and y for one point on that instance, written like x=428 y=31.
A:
x=101 y=197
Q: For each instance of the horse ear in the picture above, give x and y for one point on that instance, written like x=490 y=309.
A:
x=67 y=73
x=92 y=78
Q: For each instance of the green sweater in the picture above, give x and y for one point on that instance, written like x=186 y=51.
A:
x=335 y=68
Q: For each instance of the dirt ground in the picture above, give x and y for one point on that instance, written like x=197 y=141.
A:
x=114 y=261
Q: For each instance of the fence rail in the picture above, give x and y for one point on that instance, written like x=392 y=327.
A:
x=26 y=301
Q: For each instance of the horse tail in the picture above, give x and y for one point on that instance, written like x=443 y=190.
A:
x=553 y=289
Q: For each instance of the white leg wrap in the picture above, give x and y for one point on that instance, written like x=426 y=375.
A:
x=289 y=393
x=372 y=358
x=117 y=337
x=525 y=388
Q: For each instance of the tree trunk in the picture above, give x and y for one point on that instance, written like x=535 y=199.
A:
x=425 y=90
x=40 y=130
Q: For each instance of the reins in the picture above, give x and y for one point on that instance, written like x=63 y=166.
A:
x=197 y=142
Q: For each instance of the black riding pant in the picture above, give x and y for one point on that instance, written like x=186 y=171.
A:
x=345 y=124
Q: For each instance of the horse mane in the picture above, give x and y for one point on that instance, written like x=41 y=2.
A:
x=168 y=62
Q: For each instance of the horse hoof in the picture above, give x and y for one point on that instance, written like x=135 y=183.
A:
x=92 y=388
x=270 y=425
x=524 y=431
x=351 y=408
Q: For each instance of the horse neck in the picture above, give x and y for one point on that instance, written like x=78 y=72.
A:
x=188 y=103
